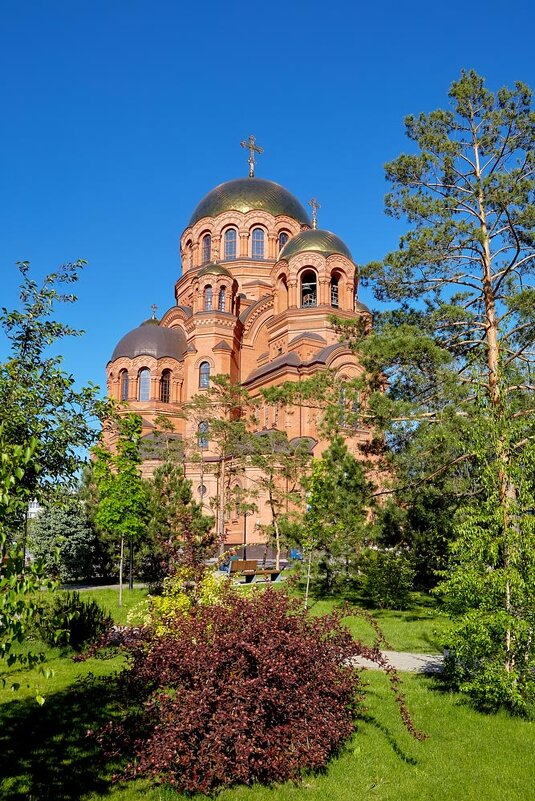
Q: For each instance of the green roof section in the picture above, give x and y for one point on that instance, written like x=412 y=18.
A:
x=315 y=241
x=250 y=194
x=214 y=269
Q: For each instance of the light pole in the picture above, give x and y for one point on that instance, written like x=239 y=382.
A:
x=245 y=534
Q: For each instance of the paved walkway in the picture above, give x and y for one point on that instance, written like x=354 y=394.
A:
x=410 y=663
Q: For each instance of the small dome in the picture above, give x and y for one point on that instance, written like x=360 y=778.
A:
x=248 y=194
x=151 y=339
x=317 y=241
x=214 y=269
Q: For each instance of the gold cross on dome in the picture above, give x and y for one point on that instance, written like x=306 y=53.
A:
x=252 y=148
x=315 y=206
x=154 y=307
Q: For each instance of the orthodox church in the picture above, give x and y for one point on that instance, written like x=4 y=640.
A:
x=258 y=283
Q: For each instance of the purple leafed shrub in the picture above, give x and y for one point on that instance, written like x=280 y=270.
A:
x=249 y=690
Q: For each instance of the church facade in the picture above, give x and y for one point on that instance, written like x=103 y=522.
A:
x=258 y=283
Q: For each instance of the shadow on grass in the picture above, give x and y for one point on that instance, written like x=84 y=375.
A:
x=45 y=752
x=389 y=737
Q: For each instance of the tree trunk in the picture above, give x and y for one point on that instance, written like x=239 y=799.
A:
x=506 y=489
x=121 y=559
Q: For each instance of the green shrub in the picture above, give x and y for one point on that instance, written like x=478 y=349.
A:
x=387 y=578
x=66 y=619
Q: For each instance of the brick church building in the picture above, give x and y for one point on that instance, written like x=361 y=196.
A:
x=257 y=284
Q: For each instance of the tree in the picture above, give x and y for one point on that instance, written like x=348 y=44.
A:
x=44 y=424
x=122 y=509
x=63 y=528
x=458 y=352
x=336 y=523
x=278 y=466
x=181 y=533
x=18 y=587
x=37 y=397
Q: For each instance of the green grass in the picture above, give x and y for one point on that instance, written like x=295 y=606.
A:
x=45 y=754
x=109 y=600
x=417 y=629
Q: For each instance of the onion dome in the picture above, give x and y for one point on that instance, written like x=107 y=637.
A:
x=317 y=241
x=214 y=269
x=250 y=194
x=151 y=339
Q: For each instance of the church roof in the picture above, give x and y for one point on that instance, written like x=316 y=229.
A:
x=151 y=339
x=317 y=241
x=248 y=194
x=214 y=269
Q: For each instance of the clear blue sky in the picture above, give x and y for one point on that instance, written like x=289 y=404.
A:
x=118 y=116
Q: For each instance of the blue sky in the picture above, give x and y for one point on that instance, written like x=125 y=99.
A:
x=118 y=116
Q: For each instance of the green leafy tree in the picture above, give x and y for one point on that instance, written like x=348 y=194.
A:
x=277 y=469
x=66 y=542
x=181 y=534
x=336 y=523
x=18 y=586
x=37 y=397
x=122 y=510
x=45 y=422
x=458 y=351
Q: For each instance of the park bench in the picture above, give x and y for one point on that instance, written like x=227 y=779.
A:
x=251 y=571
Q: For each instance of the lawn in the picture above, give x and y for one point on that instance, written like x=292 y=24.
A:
x=417 y=629
x=45 y=753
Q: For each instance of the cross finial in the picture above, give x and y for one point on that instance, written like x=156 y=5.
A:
x=252 y=148
x=315 y=206
x=154 y=308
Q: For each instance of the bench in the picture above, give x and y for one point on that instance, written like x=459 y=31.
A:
x=251 y=571
x=243 y=567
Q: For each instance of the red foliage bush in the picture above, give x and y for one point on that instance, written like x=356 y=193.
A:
x=251 y=690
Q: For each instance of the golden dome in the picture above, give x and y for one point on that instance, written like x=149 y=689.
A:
x=248 y=194
x=317 y=241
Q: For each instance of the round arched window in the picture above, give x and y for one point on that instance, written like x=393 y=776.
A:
x=258 y=239
x=230 y=243
x=165 y=386
x=202 y=435
x=204 y=375
x=123 y=381
x=335 y=296
x=144 y=384
x=309 y=291
x=208 y=298
x=206 y=248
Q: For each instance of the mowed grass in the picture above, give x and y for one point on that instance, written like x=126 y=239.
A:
x=417 y=630
x=45 y=752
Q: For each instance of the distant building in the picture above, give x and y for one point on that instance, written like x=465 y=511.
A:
x=34 y=509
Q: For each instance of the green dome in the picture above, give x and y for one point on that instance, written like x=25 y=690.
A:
x=317 y=241
x=214 y=269
x=248 y=194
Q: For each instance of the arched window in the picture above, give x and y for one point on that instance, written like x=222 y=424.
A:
x=204 y=375
x=144 y=384
x=334 y=291
x=230 y=243
x=123 y=381
x=202 y=434
x=206 y=248
x=258 y=243
x=221 y=300
x=283 y=238
x=189 y=254
x=208 y=296
x=309 y=294
x=165 y=386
